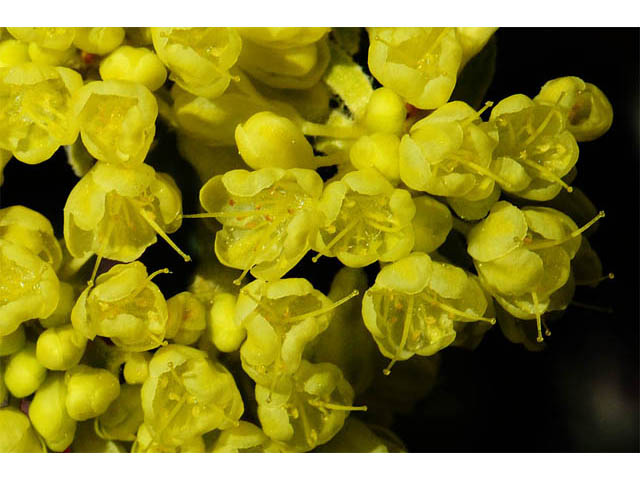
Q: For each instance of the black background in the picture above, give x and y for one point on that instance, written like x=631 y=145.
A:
x=581 y=392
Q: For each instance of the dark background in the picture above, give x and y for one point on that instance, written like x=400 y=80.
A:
x=581 y=392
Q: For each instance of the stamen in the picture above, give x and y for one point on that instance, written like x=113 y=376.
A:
x=238 y=281
x=158 y=272
x=260 y=304
x=399 y=52
x=174 y=374
x=158 y=340
x=333 y=131
x=598 y=280
x=595 y=308
x=403 y=339
x=377 y=219
x=385 y=309
x=537 y=245
x=313 y=437
x=476 y=115
x=322 y=311
x=293 y=411
x=147 y=216
x=461 y=158
x=334 y=406
x=274 y=382
x=338 y=237
x=143 y=285
x=238 y=214
x=272 y=239
x=308 y=431
x=432 y=47
x=335 y=158
x=560 y=97
x=534 y=297
x=91 y=281
x=464 y=316
x=547 y=332
x=541 y=127
x=383 y=228
x=174 y=411
x=545 y=171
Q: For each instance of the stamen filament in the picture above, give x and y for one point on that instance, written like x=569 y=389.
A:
x=476 y=115
x=158 y=272
x=333 y=131
x=238 y=281
x=239 y=214
x=260 y=304
x=545 y=171
x=433 y=45
x=595 y=308
x=157 y=340
x=403 y=339
x=383 y=228
x=143 y=285
x=337 y=238
x=547 y=332
x=306 y=427
x=163 y=234
x=534 y=297
x=334 y=406
x=91 y=281
x=336 y=158
x=399 y=52
x=454 y=311
x=537 y=245
x=268 y=234
x=174 y=411
x=541 y=127
x=460 y=158
x=322 y=311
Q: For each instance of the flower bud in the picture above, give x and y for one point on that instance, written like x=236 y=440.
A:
x=60 y=348
x=385 y=111
x=98 y=40
x=16 y=433
x=13 y=52
x=269 y=140
x=90 y=391
x=137 y=65
x=136 y=367
x=48 y=413
x=224 y=332
x=24 y=374
x=187 y=318
x=379 y=151
x=12 y=342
